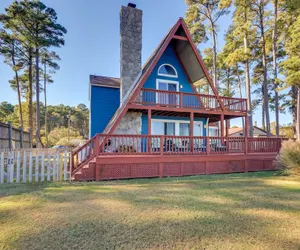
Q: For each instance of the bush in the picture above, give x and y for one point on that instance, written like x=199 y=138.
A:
x=289 y=157
x=74 y=142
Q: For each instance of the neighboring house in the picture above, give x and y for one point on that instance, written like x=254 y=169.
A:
x=237 y=132
x=152 y=122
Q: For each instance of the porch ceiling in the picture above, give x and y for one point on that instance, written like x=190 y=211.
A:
x=212 y=117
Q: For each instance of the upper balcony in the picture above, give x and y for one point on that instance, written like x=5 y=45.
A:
x=172 y=99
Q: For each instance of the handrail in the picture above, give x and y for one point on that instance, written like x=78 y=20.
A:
x=189 y=100
x=84 y=153
x=117 y=144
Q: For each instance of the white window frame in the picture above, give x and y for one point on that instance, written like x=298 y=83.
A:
x=166 y=64
x=177 y=122
x=213 y=128
x=167 y=81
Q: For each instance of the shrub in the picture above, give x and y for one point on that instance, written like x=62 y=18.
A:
x=74 y=142
x=289 y=157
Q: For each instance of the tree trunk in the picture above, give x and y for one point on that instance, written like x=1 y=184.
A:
x=241 y=94
x=37 y=72
x=298 y=115
x=215 y=58
x=265 y=77
x=275 y=68
x=263 y=123
x=18 y=86
x=46 y=112
x=214 y=41
x=294 y=107
x=30 y=94
x=248 y=83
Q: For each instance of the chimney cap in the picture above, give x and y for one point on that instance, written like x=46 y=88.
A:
x=132 y=5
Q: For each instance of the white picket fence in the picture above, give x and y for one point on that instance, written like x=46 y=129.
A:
x=34 y=166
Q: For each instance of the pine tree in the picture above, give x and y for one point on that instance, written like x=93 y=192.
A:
x=8 y=48
x=291 y=65
x=261 y=14
x=49 y=61
x=239 y=44
x=203 y=15
x=36 y=27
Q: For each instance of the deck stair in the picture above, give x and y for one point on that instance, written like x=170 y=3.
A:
x=86 y=172
x=84 y=160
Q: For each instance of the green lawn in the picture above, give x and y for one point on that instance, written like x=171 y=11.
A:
x=238 y=211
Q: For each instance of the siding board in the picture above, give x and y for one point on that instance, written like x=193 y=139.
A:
x=104 y=103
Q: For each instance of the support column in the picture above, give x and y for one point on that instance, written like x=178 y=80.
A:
x=227 y=128
x=246 y=126
x=222 y=125
x=246 y=134
x=149 y=121
x=149 y=129
x=192 y=131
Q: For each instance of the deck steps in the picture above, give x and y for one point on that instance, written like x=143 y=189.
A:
x=86 y=172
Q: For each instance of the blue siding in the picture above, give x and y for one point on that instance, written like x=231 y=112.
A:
x=104 y=103
x=169 y=57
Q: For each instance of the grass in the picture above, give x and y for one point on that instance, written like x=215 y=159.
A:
x=238 y=211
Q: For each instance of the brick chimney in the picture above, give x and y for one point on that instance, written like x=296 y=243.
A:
x=131 y=46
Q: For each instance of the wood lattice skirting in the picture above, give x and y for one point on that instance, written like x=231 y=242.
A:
x=136 y=166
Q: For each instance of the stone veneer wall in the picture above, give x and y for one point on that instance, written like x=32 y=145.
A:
x=131 y=123
x=131 y=47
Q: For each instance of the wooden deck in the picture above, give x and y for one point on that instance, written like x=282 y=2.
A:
x=139 y=156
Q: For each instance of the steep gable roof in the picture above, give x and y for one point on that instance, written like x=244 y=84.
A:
x=189 y=57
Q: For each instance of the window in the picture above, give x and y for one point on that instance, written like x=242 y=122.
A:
x=163 y=128
x=213 y=131
x=184 y=129
x=167 y=70
x=173 y=127
x=167 y=98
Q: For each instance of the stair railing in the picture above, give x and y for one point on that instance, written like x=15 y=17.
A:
x=84 y=153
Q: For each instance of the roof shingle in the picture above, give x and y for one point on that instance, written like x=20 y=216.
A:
x=106 y=81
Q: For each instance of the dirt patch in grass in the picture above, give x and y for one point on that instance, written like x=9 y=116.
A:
x=239 y=211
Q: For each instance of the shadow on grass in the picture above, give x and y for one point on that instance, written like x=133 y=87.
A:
x=190 y=212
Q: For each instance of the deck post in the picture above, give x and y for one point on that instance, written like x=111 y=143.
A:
x=192 y=131
x=227 y=128
x=207 y=145
x=222 y=128
x=96 y=145
x=149 y=130
x=161 y=144
x=222 y=125
x=227 y=135
x=180 y=99
x=246 y=134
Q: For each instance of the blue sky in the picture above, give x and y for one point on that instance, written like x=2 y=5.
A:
x=92 y=43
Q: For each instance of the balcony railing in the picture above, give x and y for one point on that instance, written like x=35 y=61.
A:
x=172 y=99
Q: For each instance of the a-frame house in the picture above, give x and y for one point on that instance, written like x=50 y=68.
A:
x=154 y=121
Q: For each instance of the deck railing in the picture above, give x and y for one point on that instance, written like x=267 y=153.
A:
x=165 y=144
x=173 y=99
x=103 y=144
